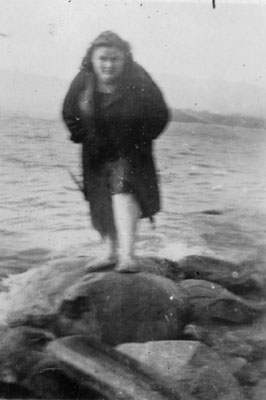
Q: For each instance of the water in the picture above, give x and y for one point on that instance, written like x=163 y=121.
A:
x=213 y=186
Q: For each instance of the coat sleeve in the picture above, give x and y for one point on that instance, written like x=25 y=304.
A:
x=70 y=113
x=155 y=113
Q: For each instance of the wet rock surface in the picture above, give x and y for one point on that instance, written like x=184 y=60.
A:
x=202 y=317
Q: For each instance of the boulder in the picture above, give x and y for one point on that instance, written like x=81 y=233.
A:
x=28 y=370
x=238 y=278
x=33 y=297
x=116 y=308
x=111 y=373
x=210 y=301
x=20 y=349
x=48 y=380
x=38 y=292
x=186 y=366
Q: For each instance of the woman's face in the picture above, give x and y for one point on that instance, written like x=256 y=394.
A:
x=108 y=63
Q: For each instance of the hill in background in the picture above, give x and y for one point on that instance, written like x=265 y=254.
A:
x=216 y=97
x=206 y=117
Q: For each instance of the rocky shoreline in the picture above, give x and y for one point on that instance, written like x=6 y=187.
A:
x=192 y=329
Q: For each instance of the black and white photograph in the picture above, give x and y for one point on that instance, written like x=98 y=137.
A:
x=133 y=199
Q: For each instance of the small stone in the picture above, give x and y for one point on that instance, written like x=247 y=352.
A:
x=258 y=392
x=248 y=375
x=236 y=365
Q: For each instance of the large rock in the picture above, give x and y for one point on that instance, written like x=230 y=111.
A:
x=27 y=370
x=239 y=278
x=113 y=374
x=186 y=366
x=211 y=301
x=38 y=292
x=20 y=349
x=116 y=308
x=48 y=380
x=34 y=296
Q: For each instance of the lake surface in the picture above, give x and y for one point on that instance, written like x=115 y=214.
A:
x=213 y=188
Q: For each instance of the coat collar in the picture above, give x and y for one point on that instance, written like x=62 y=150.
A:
x=86 y=101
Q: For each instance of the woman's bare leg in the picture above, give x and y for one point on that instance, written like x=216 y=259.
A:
x=126 y=212
x=101 y=213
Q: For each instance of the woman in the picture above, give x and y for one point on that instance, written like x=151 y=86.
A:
x=115 y=110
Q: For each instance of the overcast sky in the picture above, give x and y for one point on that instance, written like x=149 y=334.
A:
x=190 y=39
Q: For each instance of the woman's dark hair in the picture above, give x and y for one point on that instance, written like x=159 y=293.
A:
x=108 y=39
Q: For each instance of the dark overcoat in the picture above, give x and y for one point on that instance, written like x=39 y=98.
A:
x=136 y=113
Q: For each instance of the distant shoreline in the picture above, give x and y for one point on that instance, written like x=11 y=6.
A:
x=177 y=115
x=206 y=117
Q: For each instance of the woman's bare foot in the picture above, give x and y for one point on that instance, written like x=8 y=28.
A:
x=109 y=255
x=103 y=262
x=127 y=265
